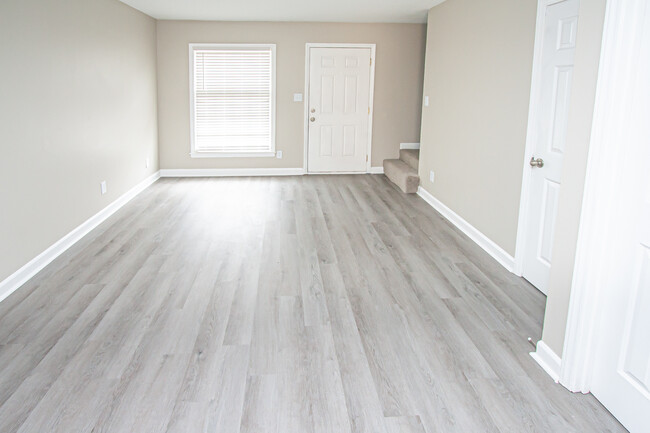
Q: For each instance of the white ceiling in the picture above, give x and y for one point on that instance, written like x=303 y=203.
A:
x=368 y=11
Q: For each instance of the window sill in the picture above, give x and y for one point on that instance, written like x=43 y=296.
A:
x=232 y=155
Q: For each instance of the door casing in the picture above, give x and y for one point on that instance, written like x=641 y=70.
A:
x=310 y=45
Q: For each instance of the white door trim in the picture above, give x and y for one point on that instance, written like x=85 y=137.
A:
x=620 y=56
x=535 y=96
x=373 y=48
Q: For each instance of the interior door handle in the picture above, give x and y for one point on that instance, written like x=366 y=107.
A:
x=539 y=162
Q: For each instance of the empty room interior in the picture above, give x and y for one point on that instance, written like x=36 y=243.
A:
x=388 y=216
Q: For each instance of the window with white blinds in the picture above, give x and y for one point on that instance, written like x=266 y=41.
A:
x=232 y=100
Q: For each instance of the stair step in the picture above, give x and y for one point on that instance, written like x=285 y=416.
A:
x=402 y=175
x=411 y=157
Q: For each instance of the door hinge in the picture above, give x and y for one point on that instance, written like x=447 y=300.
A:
x=371 y=61
x=366 y=158
x=368 y=110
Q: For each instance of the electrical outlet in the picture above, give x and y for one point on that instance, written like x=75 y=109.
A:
x=102 y=187
x=431 y=176
x=278 y=154
x=146 y=163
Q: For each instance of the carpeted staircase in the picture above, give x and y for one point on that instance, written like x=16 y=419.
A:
x=403 y=172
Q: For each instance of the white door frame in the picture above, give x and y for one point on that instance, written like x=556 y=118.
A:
x=531 y=133
x=623 y=54
x=372 y=48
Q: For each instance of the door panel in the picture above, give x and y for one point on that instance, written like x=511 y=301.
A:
x=558 y=50
x=349 y=140
x=562 y=93
x=549 y=214
x=339 y=95
x=325 y=145
x=327 y=94
x=568 y=31
x=351 y=101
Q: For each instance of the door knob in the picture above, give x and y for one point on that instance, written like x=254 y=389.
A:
x=539 y=162
x=311 y=119
x=313 y=110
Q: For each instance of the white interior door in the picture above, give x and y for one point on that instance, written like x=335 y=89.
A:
x=558 y=49
x=620 y=207
x=339 y=109
x=622 y=370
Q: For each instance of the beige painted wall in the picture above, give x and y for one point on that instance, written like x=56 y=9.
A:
x=583 y=93
x=477 y=75
x=398 y=84
x=77 y=106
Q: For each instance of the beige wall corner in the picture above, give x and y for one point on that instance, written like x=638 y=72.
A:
x=77 y=107
x=478 y=70
x=583 y=94
x=398 y=84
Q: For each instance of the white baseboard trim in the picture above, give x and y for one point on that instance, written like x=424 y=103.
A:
x=245 y=172
x=548 y=360
x=409 y=145
x=22 y=275
x=230 y=172
x=498 y=253
x=335 y=173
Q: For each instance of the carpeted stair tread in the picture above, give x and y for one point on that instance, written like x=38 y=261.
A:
x=402 y=175
x=411 y=157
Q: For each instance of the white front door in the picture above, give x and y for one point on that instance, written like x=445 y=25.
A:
x=558 y=49
x=339 y=109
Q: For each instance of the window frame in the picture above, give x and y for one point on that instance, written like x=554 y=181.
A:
x=194 y=153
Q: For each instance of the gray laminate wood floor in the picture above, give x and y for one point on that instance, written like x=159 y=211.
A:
x=297 y=304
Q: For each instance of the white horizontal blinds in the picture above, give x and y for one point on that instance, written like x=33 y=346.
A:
x=233 y=98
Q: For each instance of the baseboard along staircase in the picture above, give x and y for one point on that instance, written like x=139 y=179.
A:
x=403 y=172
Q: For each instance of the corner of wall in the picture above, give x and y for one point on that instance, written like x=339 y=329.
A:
x=548 y=360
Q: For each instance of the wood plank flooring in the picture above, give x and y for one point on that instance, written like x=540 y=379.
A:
x=295 y=304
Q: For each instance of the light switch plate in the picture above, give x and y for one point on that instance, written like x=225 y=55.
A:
x=426 y=101
x=102 y=187
x=278 y=154
x=431 y=176
x=297 y=97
